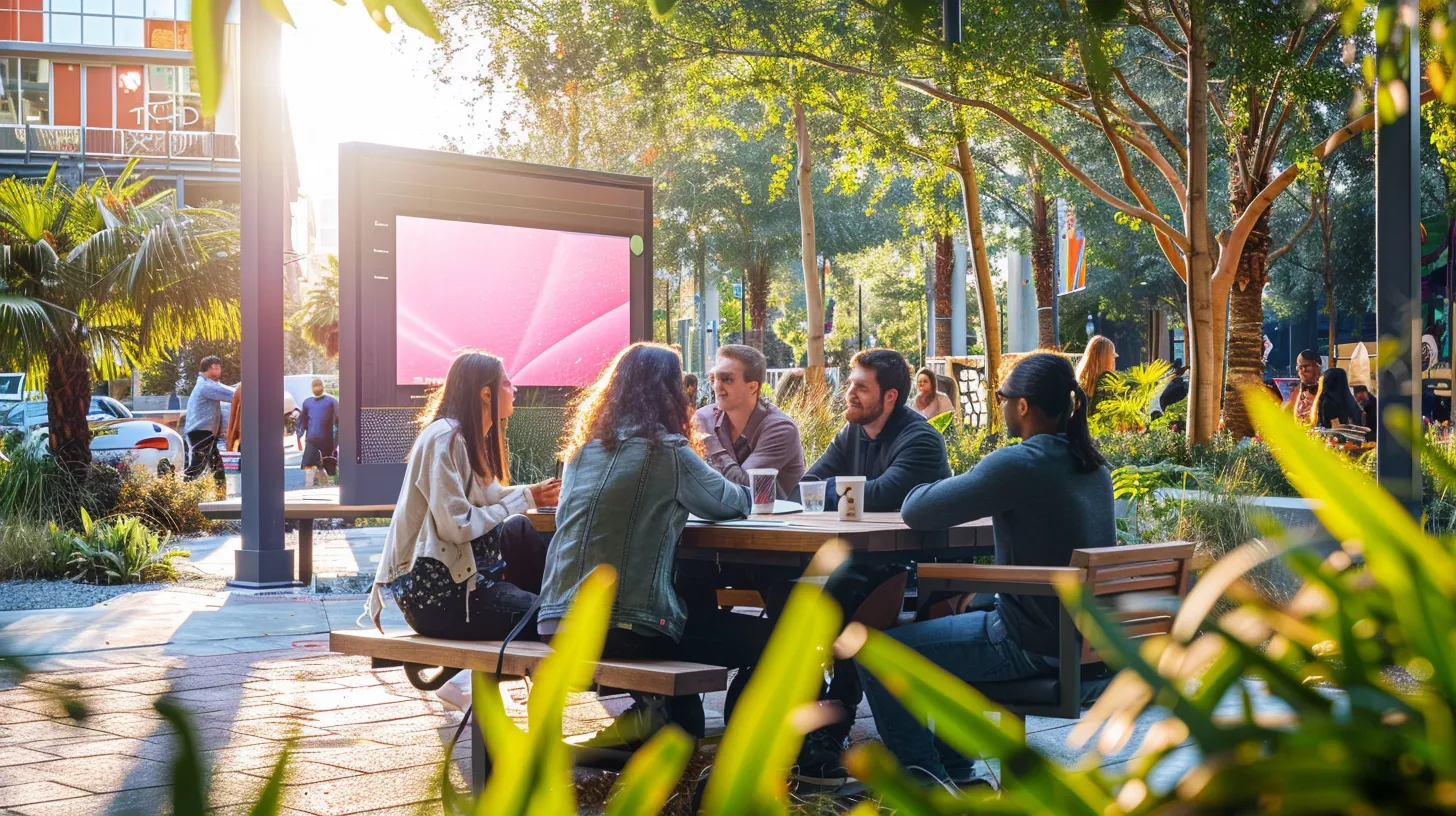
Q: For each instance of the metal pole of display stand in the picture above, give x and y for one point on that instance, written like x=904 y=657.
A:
x=263 y=561
x=1397 y=273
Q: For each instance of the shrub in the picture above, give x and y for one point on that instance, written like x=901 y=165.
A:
x=30 y=550
x=166 y=503
x=965 y=446
x=120 y=550
x=1144 y=448
x=819 y=413
x=1124 y=399
x=34 y=488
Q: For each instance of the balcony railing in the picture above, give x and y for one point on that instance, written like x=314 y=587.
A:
x=88 y=142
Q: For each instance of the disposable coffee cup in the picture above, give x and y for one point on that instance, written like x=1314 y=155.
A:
x=811 y=494
x=764 y=484
x=850 y=492
x=308 y=477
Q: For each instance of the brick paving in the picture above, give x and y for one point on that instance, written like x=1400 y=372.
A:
x=366 y=742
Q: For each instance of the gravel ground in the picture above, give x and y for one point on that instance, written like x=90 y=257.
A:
x=18 y=595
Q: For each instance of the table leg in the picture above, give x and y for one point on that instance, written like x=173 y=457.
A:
x=305 y=551
x=479 y=756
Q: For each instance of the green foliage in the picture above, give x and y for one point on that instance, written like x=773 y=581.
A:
x=166 y=503
x=119 y=551
x=533 y=434
x=31 y=550
x=819 y=417
x=1124 y=399
x=34 y=488
x=965 y=446
x=318 y=317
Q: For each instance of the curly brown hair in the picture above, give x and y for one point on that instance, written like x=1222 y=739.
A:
x=639 y=394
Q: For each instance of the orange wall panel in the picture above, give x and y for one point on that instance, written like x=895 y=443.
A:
x=99 y=97
x=66 y=89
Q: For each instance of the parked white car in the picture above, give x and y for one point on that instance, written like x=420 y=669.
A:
x=116 y=436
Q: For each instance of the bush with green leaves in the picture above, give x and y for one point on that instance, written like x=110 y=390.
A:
x=30 y=550
x=168 y=503
x=1124 y=399
x=119 y=550
x=33 y=487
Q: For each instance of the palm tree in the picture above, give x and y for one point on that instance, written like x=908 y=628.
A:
x=318 y=318
x=100 y=279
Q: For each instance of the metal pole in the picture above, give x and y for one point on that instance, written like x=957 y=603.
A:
x=1397 y=272
x=743 y=309
x=860 y=312
x=262 y=561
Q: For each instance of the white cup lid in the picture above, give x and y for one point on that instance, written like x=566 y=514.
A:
x=844 y=479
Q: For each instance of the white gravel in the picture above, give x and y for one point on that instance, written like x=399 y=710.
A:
x=26 y=595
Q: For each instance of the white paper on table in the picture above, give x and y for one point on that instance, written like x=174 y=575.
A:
x=781 y=508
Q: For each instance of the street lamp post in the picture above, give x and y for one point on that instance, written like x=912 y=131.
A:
x=1397 y=270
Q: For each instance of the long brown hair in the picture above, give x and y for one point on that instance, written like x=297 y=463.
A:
x=459 y=399
x=1099 y=358
x=639 y=394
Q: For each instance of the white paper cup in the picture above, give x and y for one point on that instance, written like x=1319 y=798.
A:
x=811 y=493
x=308 y=477
x=763 y=483
x=850 y=490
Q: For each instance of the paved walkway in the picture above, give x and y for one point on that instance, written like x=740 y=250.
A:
x=255 y=671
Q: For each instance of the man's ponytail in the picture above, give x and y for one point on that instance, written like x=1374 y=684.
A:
x=1079 y=434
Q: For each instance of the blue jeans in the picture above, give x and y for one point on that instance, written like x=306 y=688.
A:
x=973 y=646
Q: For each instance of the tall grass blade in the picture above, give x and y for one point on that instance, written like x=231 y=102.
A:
x=1417 y=571
x=763 y=738
x=959 y=712
x=270 y=799
x=541 y=781
x=651 y=774
x=189 y=792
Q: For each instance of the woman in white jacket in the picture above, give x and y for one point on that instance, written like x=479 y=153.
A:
x=461 y=560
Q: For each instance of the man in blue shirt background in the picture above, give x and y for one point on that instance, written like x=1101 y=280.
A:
x=318 y=421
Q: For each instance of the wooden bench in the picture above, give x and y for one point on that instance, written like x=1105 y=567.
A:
x=520 y=659
x=305 y=512
x=1119 y=576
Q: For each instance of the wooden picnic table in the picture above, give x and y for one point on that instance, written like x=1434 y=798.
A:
x=305 y=507
x=791 y=539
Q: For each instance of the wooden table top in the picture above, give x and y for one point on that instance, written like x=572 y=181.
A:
x=318 y=503
x=807 y=532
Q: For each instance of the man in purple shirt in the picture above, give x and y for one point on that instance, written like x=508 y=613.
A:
x=318 y=420
x=744 y=430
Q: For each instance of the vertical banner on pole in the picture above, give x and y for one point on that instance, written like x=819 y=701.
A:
x=1071 y=251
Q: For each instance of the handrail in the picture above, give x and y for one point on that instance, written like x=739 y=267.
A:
x=88 y=142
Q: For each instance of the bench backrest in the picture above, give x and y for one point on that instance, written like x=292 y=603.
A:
x=1129 y=579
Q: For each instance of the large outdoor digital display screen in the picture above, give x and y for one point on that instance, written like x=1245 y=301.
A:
x=555 y=306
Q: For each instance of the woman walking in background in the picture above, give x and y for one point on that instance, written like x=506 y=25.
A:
x=632 y=477
x=462 y=562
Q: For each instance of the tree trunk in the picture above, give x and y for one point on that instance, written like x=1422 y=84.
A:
x=68 y=396
x=1205 y=313
x=1246 y=313
x=757 y=302
x=1043 y=262
x=940 y=285
x=813 y=294
x=985 y=294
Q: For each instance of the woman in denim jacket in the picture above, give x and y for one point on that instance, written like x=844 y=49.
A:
x=633 y=475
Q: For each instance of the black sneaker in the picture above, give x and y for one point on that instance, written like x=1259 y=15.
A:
x=633 y=727
x=646 y=716
x=820 y=761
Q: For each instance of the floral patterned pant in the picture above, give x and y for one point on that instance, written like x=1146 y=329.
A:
x=510 y=560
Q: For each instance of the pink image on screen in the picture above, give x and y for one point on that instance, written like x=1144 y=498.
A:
x=555 y=306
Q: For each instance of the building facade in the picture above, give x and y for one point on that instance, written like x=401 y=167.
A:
x=89 y=84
